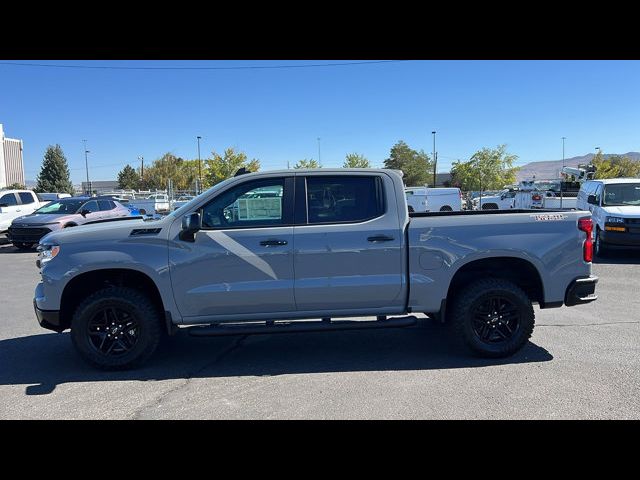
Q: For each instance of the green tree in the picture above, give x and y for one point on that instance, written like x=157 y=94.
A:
x=163 y=169
x=15 y=186
x=54 y=175
x=355 y=160
x=416 y=166
x=488 y=168
x=305 y=163
x=220 y=167
x=128 y=178
x=615 y=166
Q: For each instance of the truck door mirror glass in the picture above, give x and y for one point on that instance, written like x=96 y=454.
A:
x=190 y=225
x=592 y=199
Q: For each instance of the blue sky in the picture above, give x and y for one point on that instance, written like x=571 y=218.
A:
x=276 y=115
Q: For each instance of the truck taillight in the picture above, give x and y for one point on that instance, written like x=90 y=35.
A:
x=586 y=225
x=536 y=197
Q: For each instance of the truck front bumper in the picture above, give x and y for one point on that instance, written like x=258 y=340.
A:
x=49 y=319
x=581 y=290
x=621 y=240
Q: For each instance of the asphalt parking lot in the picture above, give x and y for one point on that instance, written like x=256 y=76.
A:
x=582 y=363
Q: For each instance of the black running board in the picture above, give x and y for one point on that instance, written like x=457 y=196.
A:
x=298 y=326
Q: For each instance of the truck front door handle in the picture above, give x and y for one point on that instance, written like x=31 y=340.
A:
x=380 y=238
x=273 y=243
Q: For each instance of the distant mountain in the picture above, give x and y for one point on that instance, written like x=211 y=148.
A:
x=550 y=169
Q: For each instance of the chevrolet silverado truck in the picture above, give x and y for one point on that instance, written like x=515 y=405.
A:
x=305 y=250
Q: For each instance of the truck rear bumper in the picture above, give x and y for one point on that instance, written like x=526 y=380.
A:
x=581 y=290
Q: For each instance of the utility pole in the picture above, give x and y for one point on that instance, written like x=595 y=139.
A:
x=319 y=160
x=86 y=165
x=561 y=195
x=435 y=159
x=141 y=158
x=199 y=189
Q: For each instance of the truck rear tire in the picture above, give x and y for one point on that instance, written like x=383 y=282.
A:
x=116 y=328
x=493 y=317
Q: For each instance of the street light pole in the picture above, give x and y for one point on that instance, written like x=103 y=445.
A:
x=319 y=160
x=86 y=165
x=435 y=159
x=561 y=194
x=141 y=158
x=199 y=189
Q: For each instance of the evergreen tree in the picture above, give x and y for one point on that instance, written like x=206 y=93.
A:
x=54 y=175
x=128 y=178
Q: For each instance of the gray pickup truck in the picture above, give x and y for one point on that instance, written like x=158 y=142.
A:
x=303 y=250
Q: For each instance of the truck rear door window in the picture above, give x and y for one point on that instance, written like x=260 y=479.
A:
x=343 y=199
x=26 y=198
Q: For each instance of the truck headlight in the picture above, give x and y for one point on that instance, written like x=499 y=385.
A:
x=614 y=220
x=46 y=253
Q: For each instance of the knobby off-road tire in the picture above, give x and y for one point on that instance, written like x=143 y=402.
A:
x=490 y=334
x=116 y=328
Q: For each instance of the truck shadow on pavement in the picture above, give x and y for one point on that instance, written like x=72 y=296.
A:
x=9 y=248
x=45 y=361
x=619 y=258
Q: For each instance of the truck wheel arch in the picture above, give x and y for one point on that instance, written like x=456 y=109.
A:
x=78 y=288
x=521 y=272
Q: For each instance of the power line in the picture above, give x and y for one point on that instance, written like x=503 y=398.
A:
x=242 y=67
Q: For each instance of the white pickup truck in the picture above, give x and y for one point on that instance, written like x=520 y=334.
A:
x=14 y=204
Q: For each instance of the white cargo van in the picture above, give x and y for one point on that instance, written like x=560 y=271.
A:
x=421 y=199
x=615 y=207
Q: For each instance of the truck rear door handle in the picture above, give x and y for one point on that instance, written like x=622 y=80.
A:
x=273 y=243
x=380 y=238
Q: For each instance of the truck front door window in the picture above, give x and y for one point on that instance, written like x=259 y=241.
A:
x=252 y=204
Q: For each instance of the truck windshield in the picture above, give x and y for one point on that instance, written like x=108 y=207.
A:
x=61 y=207
x=621 y=194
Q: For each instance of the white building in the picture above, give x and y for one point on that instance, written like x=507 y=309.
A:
x=11 y=163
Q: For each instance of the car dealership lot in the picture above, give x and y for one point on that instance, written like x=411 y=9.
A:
x=582 y=362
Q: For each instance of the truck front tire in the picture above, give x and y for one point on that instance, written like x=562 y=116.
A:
x=599 y=248
x=116 y=328
x=493 y=317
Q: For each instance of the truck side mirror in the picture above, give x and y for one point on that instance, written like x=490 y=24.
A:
x=592 y=200
x=84 y=212
x=190 y=225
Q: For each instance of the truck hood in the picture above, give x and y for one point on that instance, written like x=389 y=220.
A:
x=113 y=230
x=628 y=211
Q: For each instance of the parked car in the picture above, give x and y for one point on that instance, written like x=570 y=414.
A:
x=15 y=203
x=615 y=206
x=27 y=230
x=421 y=199
x=330 y=243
